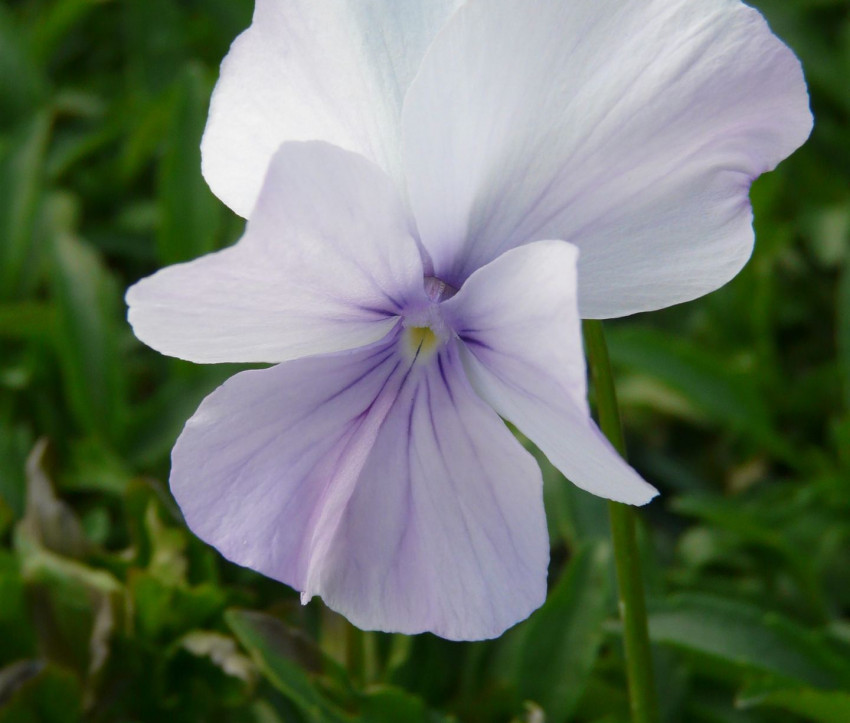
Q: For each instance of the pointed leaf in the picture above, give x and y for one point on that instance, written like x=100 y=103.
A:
x=273 y=649
x=90 y=319
x=748 y=639
x=189 y=215
x=21 y=176
x=817 y=706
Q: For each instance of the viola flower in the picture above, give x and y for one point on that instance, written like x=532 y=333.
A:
x=370 y=465
x=499 y=168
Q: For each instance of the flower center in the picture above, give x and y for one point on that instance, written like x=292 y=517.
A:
x=420 y=342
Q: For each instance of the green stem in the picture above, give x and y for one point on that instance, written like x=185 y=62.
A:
x=642 y=695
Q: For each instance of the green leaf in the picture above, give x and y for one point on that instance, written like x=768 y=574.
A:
x=71 y=150
x=817 y=706
x=90 y=320
x=703 y=378
x=843 y=324
x=222 y=651
x=190 y=216
x=747 y=639
x=15 y=445
x=158 y=420
x=28 y=320
x=21 y=175
x=385 y=704
x=75 y=608
x=15 y=628
x=93 y=466
x=51 y=696
x=49 y=522
x=278 y=655
x=154 y=42
x=602 y=700
x=168 y=562
x=757 y=525
x=143 y=139
x=22 y=81
x=164 y=610
x=7 y=516
x=55 y=21
x=563 y=638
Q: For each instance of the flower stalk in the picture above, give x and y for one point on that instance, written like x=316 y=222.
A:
x=632 y=602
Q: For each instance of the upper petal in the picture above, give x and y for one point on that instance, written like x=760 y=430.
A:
x=445 y=531
x=328 y=70
x=326 y=263
x=631 y=129
x=517 y=319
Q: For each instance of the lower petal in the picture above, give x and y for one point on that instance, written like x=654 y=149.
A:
x=445 y=531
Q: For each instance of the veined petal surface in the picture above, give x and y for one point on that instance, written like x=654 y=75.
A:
x=265 y=466
x=632 y=129
x=385 y=486
x=517 y=320
x=332 y=70
x=326 y=263
x=445 y=531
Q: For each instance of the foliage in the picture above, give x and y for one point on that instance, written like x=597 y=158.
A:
x=737 y=406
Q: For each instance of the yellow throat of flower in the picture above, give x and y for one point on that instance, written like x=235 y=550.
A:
x=420 y=341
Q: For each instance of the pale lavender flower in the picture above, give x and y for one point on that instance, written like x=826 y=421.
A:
x=421 y=283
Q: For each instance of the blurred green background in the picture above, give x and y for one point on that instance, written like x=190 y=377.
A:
x=736 y=406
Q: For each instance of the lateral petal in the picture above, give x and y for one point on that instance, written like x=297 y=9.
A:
x=631 y=129
x=327 y=70
x=326 y=263
x=517 y=319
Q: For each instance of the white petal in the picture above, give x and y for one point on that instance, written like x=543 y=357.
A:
x=330 y=70
x=267 y=463
x=445 y=531
x=631 y=129
x=518 y=320
x=326 y=262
